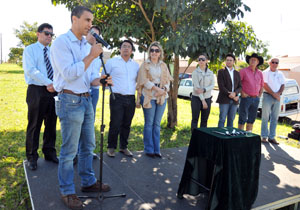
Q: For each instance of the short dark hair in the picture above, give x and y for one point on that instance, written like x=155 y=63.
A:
x=77 y=11
x=43 y=26
x=230 y=55
x=128 y=41
x=96 y=27
x=204 y=54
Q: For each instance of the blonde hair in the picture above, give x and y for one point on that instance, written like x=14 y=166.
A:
x=156 y=44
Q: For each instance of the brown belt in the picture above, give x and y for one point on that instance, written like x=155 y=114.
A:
x=252 y=96
x=76 y=94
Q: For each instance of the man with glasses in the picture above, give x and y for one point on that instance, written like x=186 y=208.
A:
x=123 y=71
x=274 y=81
x=40 y=97
x=229 y=83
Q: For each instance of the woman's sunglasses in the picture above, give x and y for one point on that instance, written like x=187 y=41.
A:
x=155 y=50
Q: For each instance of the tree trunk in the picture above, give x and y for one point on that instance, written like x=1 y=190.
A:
x=172 y=100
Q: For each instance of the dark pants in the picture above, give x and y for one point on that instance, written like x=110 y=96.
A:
x=121 y=113
x=197 y=107
x=41 y=108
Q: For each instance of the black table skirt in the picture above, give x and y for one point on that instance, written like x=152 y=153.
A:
x=231 y=161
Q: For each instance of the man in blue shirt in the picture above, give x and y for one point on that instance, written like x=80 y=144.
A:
x=124 y=72
x=40 y=97
x=71 y=58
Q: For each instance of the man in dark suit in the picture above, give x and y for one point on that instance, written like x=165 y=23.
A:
x=229 y=83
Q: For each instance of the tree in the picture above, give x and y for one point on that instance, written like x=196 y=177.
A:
x=15 y=55
x=27 y=35
x=183 y=27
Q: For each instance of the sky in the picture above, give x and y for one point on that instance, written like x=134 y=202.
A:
x=274 y=21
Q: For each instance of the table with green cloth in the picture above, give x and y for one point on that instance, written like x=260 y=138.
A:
x=226 y=166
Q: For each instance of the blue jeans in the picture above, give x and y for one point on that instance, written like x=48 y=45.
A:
x=95 y=98
x=270 y=110
x=248 y=110
x=229 y=111
x=153 y=118
x=77 y=128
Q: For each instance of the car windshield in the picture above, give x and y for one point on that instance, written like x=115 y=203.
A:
x=290 y=90
x=188 y=83
x=182 y=82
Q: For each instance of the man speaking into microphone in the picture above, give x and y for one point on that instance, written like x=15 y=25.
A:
x=71 y=60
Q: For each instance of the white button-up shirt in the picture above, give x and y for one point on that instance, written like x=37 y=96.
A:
x=123 y=75
x=231 y=71
x=67 y=54
x=34 y=66
x=274 y=79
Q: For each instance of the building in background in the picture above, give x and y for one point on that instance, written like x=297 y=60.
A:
x=290 y=66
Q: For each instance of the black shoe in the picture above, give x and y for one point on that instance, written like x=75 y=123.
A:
x=32 y=165
x=150 y=155
x=54 y=159
x=158 y=155
x=95 y=156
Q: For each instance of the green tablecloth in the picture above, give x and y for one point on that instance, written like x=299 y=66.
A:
x=236 y=173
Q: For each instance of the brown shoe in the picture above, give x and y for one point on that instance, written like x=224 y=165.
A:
x=111 y=152
x=96 y=188
x=264 y=140
x=126 y=152
x=72 y=201
x=273 y=141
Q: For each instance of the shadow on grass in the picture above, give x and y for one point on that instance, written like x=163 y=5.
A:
x=12 y=72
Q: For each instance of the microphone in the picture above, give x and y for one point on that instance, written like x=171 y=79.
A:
x=99 y=39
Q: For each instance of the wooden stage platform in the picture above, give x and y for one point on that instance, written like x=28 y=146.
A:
x=152 y=183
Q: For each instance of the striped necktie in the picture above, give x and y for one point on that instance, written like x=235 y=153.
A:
x=48 y=65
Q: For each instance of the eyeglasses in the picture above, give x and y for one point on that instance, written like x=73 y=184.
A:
x=47 y=33
x=201 y=59
x=155 y=50
x=274 y=62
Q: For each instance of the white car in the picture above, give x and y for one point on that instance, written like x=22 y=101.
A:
x=289 y=100
x=185 y=88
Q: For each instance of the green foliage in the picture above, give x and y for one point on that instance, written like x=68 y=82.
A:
x=27 y=35
x=184 y=28
x=15 y=55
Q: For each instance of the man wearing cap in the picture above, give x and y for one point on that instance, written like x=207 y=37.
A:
x=274 y=81
x=252 y=87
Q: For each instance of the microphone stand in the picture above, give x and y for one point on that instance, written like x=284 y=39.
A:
x=100 y=196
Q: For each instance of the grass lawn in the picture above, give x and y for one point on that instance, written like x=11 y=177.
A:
x=13 y=122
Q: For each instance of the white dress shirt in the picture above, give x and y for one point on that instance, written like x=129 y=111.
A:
x=35 y=70
x=67 y=54
x=231 y=73
x=274 y=79
x=123 y=75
